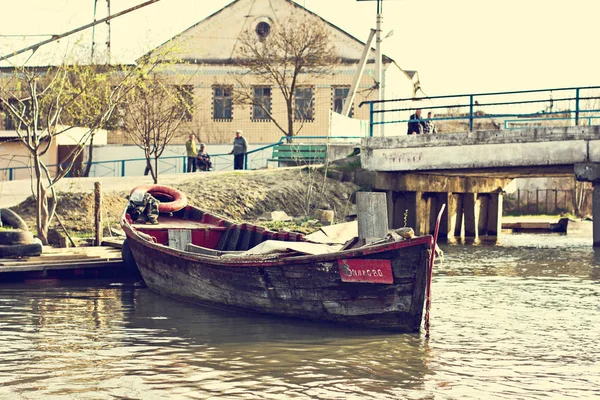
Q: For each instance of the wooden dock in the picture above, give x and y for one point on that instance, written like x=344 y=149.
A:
x=67 y=263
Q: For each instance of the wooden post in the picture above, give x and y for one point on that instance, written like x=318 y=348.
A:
x=98 y=212
x=372 y=215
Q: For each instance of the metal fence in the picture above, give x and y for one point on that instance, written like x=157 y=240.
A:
x=543 y=201
x=255 y=159
x=493 y=111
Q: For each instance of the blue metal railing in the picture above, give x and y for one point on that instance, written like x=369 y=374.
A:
x=104 y=168
x=170 y=164
x=572 y=106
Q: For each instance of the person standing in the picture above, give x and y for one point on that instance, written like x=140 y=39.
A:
x=429 y=125
x=415 y=125
x=192 y=154
x=240 y=148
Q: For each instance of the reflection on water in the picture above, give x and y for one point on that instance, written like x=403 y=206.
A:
x=516 y=320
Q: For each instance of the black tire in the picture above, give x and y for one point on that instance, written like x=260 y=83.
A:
x=128 y=260
x=15 y=236
x=12 y=219
x=21 y=250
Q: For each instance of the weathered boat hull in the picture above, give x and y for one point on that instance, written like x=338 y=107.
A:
x=308 y=287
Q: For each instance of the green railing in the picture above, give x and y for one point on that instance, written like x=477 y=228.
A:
x=285 y=139
x=170 y=164
x=457 y=113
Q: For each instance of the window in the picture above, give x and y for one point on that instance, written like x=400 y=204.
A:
x=222 y=103
x=263 y=29
x=10 y=122
x=117 y=117
x=186 y=96
x=261 y=108
x=303 y=102
x=340 y=94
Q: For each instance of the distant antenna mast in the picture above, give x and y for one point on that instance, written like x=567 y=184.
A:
x=54 y=38
x=108 y=34
x=107 y=28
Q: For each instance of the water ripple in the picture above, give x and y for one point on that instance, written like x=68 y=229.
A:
x=507 y=322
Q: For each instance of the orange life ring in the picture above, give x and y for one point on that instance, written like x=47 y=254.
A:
x=171 y=200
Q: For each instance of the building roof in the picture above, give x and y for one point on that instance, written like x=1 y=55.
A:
x=213 y=40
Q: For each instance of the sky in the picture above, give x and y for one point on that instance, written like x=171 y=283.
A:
x=457 y=46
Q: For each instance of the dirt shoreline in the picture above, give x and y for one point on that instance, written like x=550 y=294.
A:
x=237 y=195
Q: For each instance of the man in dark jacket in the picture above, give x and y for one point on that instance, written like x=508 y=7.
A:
x=414 y=125
x=240 y=148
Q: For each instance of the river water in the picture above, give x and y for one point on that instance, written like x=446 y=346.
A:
x=515 y=320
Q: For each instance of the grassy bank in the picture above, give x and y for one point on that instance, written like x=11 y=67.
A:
x=241 y=196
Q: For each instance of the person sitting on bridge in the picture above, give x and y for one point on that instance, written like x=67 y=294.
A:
x=429 y=125
x=415 y=124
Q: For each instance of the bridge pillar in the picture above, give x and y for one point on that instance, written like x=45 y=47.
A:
x=477 y=214
x=482 y=220
x=409 y=209
x=446 y=223
x=494 y=214
x=455 y=214
x=471 y=210
x=473 y=205
x=590 y=172
x=596 y=213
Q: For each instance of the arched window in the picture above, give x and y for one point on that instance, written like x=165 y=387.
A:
x=263 y=29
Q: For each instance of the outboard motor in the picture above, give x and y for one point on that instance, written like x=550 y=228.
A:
x=143 y=207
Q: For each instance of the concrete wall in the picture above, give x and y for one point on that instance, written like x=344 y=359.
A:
x=13 y=154
x=542 y=147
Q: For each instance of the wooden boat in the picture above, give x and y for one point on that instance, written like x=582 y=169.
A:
x=538 y=227
x=199 y=257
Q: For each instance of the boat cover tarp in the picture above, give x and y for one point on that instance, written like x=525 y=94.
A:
x=335 y=234
x=278 y=246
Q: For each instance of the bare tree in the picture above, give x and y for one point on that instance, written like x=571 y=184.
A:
x=152 y=112
x=44 y=103
x=284 y=55
x=98 y=86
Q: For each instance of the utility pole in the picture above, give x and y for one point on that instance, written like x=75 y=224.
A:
x=108 y=34
x=107 y=22
x=378 y=78
x=378 y=129
x=54 y=38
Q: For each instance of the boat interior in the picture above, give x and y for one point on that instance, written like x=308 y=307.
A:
x=193 y=230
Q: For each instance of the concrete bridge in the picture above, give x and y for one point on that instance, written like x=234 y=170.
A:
x=468 y=171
